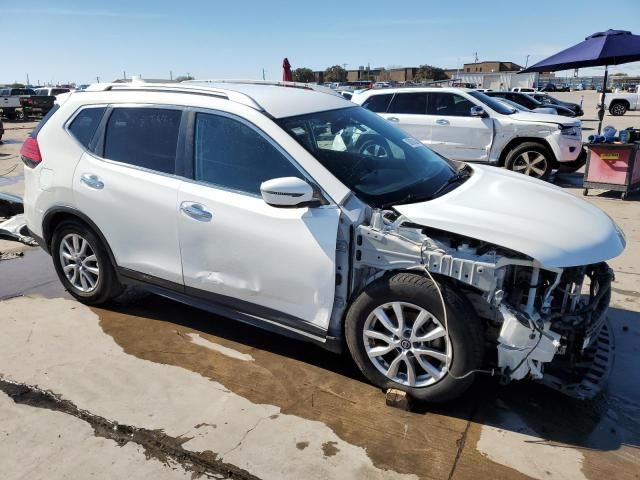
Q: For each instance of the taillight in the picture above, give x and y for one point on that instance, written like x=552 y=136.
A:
x=30 y=152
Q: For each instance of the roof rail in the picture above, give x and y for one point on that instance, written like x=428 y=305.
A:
x=231 y=95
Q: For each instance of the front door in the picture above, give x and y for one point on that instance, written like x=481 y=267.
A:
x=275 y=263
x=455 y=134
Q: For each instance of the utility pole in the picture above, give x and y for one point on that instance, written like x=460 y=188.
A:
x=27 y=79
x=263 y=77
x=97 y=79
x=170 y=75
x=124 y=75
x=475 y=54
x=526 y=63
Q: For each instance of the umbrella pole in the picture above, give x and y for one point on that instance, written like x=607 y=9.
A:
x=604 y=93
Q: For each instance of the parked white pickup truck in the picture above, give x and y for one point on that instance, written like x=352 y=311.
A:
x=10 y=100
x=619 y=103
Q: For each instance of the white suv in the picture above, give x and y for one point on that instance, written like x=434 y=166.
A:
x=296 y=211
x=470 y=126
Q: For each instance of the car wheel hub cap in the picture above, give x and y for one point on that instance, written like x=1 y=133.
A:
x=533 y=164
x=79 y=263
x=407 y=344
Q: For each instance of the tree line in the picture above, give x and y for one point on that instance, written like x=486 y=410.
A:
x=337 y=73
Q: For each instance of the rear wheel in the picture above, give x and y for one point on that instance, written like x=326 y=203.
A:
x=531 y=159
x=83 y=265
x=618 y=109
x=397 y=336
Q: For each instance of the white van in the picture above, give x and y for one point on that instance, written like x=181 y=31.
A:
x=467 y=125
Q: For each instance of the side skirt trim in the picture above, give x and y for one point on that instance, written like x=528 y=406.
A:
x=234 y=309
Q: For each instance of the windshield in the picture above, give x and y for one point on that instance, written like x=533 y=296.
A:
x=493 y=104
x=380 y=163
x=514 y=105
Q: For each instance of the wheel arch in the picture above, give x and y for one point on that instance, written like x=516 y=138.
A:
x=56 y=215
x=450 y=282
x=513 y=143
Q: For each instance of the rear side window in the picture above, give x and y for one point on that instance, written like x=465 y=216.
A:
x=233 y=155
x=143 y=137
x=411 y=103
x=58 y=91
x=84 y=126
x=378 y=103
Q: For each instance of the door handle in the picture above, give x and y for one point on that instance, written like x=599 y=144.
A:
x=442 y=121
x=92 y=181
x=393 y=119
x=196 y=211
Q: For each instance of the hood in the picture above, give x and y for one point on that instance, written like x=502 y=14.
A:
x=530 y=216
x=544 y=118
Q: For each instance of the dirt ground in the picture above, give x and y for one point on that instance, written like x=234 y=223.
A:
x=150 y=388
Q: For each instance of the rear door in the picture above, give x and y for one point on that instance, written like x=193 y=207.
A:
x=408 y=110
x=127 y=186
x=455 y=133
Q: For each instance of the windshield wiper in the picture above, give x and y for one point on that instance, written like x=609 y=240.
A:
x=459 y=177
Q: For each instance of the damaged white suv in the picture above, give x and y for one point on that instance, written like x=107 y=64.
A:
x=294 y=210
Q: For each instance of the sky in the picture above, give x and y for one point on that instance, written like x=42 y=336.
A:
x=78 y=41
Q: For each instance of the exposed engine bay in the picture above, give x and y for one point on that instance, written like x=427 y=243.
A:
x=544 y=324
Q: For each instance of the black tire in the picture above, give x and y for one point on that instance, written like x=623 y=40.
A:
x=107 y=286
x=516 y=160
x=464 y=327
x=617 y=109
x=10 y=114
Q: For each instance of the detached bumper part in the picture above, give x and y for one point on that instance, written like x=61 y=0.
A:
x=523 y=347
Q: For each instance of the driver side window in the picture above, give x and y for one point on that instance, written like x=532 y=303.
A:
x=449 y=104
x=233 y=155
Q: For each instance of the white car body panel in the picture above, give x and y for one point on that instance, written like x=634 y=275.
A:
x=138 y=242
x=473 y=146
x=529 y=216
x=279 y=258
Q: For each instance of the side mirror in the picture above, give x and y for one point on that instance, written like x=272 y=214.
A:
x=478 y=111
x=288 y=192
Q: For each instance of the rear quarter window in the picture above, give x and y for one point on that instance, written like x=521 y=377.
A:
x=84 y=125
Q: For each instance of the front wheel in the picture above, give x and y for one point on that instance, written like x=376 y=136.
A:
x=83 y=265
x=397 y=335
x=531 y=159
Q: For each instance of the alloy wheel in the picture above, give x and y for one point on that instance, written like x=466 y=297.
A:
x=79 y=263
x=531 y=163
x=407 y=344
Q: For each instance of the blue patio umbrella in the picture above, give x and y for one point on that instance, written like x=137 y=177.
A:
x=612 y=47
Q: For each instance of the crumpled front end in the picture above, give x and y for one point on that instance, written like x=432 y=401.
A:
x=559 y=335
x=542 y=323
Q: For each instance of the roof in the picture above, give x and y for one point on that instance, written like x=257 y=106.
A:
x=278 y=99
x=281 y=99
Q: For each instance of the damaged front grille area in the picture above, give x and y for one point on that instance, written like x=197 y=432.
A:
x=542 y=323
